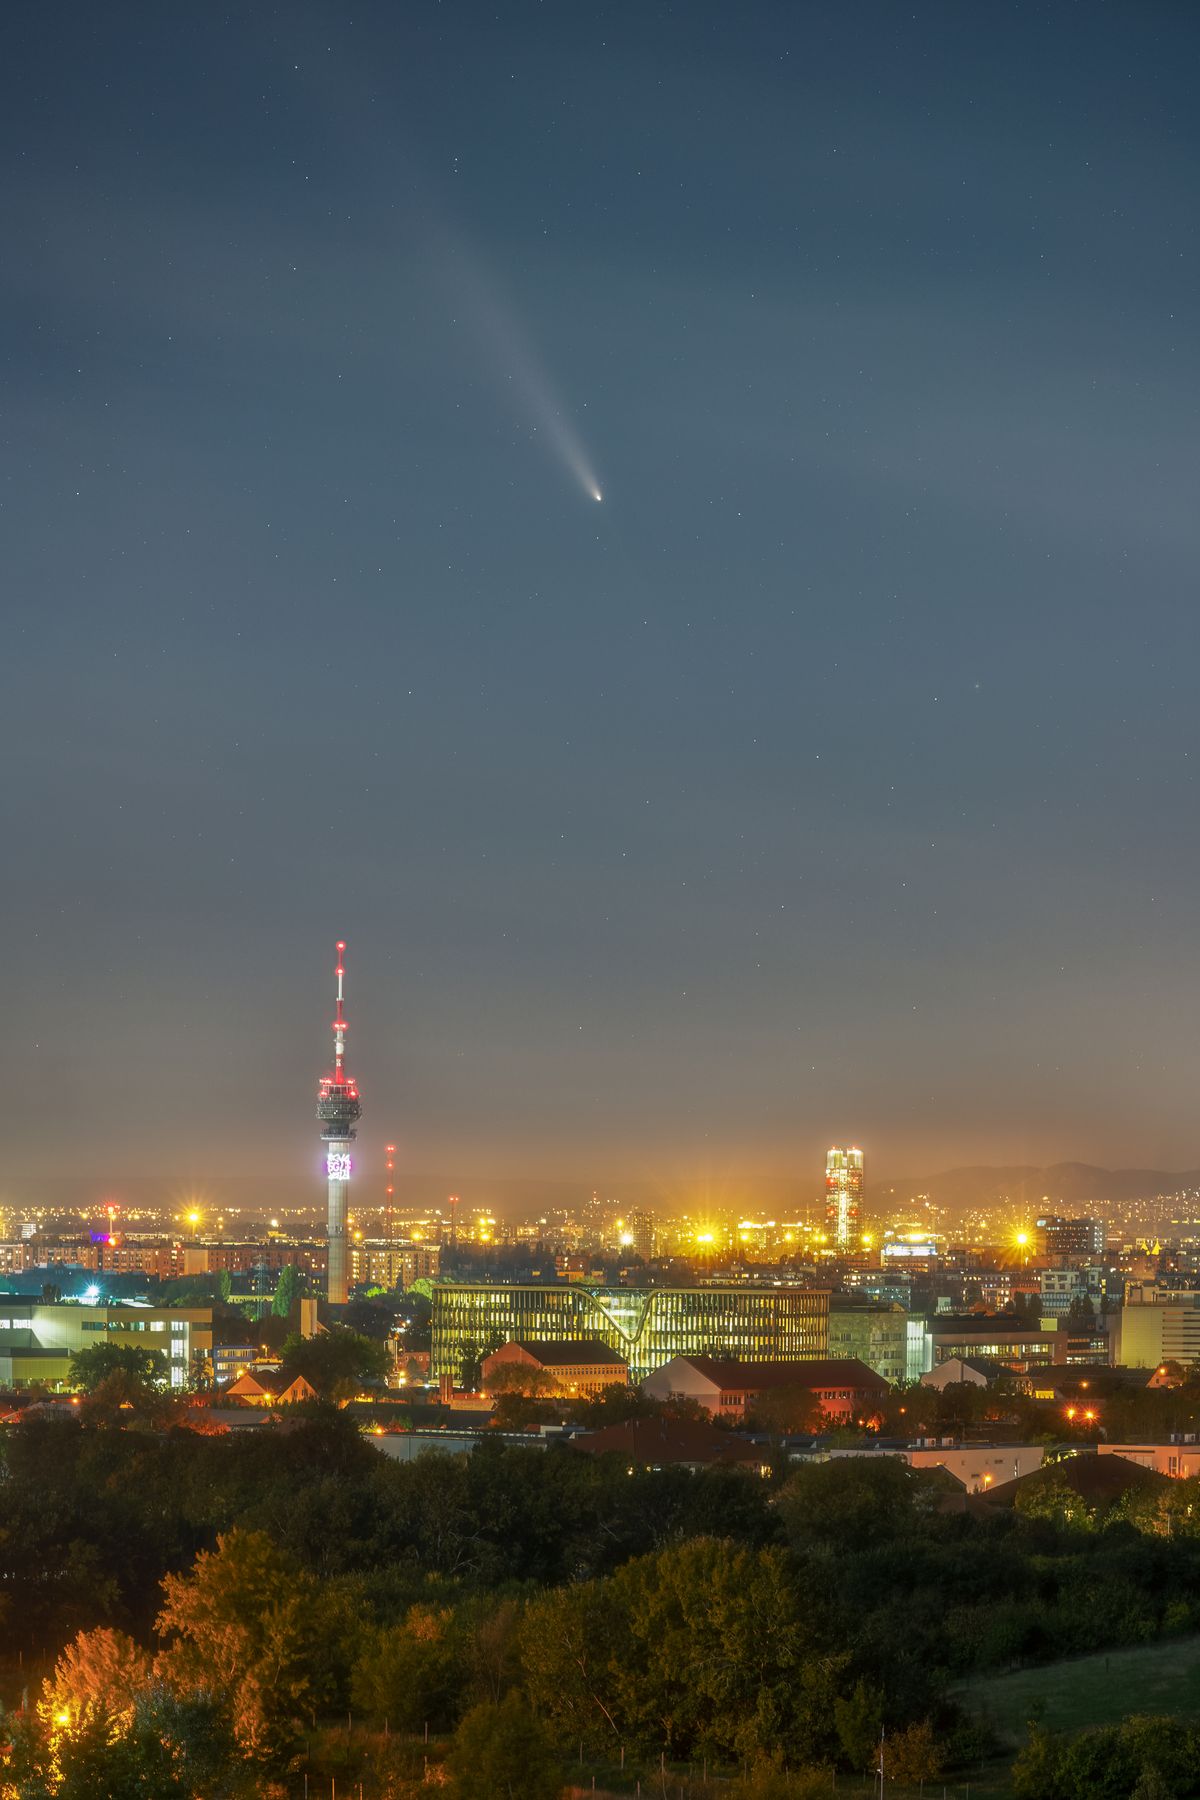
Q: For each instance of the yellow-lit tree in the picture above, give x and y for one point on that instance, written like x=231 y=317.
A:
x=102 y=1671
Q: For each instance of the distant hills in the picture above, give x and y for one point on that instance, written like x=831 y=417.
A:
x=1066 y=1186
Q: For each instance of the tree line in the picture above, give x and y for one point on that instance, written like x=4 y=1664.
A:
x=186 y=1612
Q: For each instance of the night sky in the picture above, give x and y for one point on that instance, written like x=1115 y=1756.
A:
x=834 y=778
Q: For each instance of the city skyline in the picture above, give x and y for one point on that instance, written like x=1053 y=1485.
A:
x=826 y=782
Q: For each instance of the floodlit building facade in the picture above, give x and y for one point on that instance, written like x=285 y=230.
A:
x=1014 y=1346
x=874 y=1335
x=1158 y=1325
x=378 y=1263
x=646 y=1326
x=38 y=1338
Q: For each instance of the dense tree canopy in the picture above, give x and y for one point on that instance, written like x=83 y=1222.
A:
x=261 y=1581
x=338 y=1363
x=144 y=1367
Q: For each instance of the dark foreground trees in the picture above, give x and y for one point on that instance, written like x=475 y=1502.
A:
x=262 y=1582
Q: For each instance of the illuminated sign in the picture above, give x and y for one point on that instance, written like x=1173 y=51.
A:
x=338 y=1166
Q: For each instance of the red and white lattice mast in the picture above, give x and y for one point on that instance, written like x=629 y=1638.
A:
x=339 y=1110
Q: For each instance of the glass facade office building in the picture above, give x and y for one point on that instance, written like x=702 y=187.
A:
x=646 y=1326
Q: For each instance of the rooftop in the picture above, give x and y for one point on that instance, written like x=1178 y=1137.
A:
x=559 y=1355
x=1100 y=1480
x=845 y=1371
x=658 y=1441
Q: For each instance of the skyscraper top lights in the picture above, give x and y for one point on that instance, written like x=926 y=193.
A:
x=338 y=1110
x=844 y=1194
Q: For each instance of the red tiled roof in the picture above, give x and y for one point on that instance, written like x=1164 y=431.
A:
x=1098 y=1479
x=669 y=1441
x=583 y=1351
x=836 y=1372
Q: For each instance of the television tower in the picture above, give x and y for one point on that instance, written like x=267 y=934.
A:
x=339 y=1110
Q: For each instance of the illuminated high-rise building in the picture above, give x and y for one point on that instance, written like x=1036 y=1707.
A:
x=339 y=1110
x=843 y=1196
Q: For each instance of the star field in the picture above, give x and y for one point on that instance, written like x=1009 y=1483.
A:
x=834 y=779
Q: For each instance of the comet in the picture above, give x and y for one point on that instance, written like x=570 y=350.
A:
x=512 y=356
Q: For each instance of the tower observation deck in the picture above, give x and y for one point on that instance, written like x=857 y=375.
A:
x=338 y=1110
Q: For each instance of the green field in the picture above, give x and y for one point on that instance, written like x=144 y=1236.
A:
x=1092 y=1690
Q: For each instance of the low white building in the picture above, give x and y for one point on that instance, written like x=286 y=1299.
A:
x=956 y=1371
x=978 y=1466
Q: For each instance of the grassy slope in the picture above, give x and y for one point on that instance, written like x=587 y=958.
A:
x=1093 y=1690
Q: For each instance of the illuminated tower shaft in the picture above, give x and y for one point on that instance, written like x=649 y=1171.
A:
x=339 y=1110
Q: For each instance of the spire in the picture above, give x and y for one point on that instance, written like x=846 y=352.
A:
x=339 y=1024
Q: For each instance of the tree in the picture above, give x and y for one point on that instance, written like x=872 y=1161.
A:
x=103 y=1669
x=287 y=1290
x=705 y=1648
x=412 y=1674
x=159 y=1747
x=1143 y=1756
x=146 y=1368
x=1051 y=1497
x=338 y=1363
x=911 y=1756
x=858 y=1718
x=855 y=1502
x=513 y=1412
x=615 y=1404
x=523 y=1379
x=504 y=1752
x=789 y=1409
x=247 y=1625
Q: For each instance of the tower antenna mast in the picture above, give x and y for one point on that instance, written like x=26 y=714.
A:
x=338 y=1111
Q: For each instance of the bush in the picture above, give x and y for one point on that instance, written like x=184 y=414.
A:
x=1144 y=1756
x=912 y=1756
x=504 y=1751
